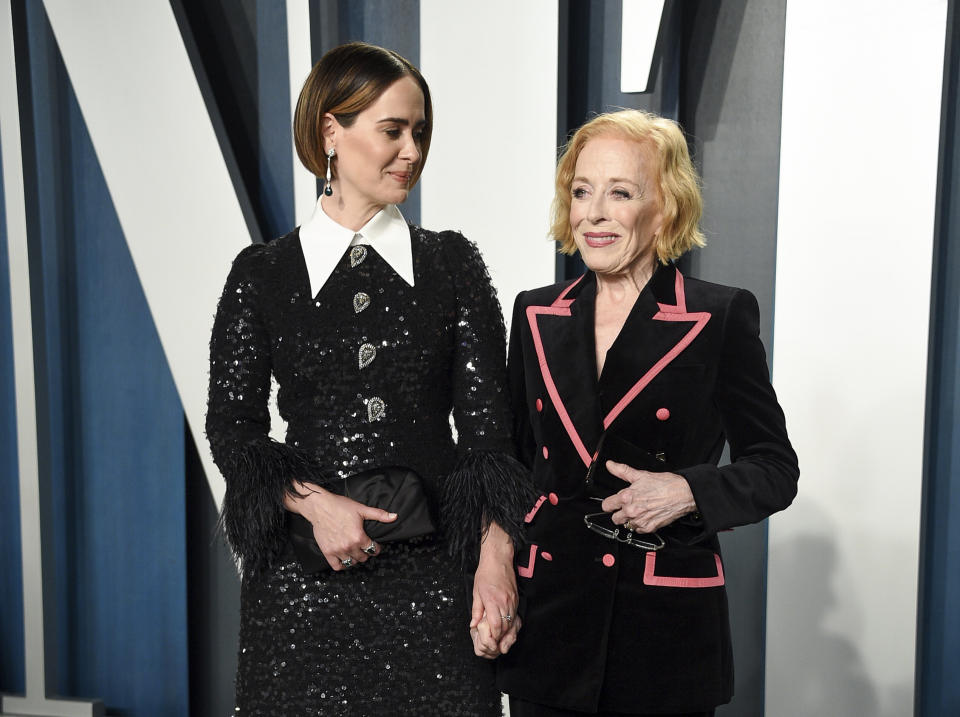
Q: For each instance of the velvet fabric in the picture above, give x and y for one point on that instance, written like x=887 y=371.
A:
x=522 y=708
x=607 y=626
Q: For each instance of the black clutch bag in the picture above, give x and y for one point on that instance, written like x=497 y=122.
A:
x=394 y=489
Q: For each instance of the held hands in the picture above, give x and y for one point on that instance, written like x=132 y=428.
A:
x=338 y=524
x=651 y=501
x=494 y=622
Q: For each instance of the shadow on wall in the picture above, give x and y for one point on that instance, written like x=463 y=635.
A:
x=835 y=679
x=710 y=37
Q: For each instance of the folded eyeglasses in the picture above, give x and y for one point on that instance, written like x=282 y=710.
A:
x=622 y=534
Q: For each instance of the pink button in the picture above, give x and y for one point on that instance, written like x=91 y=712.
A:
x=553 y=499
x=546 y=453
x=663 y=414
x=539 y=405
x=609 y=560
x=546 y=556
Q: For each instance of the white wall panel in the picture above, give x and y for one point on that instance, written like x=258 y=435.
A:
x=165 y=173
x=861 y=115
x=639 y=28
x=492 y=70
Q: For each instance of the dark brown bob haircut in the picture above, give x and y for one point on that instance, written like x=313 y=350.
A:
x=345 y=82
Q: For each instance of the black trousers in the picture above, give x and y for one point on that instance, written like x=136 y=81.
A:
x=522 y=708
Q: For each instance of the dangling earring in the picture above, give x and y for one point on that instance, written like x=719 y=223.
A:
x=328 y=190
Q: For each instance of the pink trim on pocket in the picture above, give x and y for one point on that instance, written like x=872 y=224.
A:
x=650 y=578
x=533 y=511
x=527 y=572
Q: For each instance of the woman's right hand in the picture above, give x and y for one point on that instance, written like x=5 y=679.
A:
x=337 y=523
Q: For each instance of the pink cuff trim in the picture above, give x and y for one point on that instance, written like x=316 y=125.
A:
x=533 y=511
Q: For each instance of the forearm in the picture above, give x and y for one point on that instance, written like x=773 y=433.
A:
x=496 y=545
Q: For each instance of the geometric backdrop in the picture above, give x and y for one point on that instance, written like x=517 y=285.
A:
x=142 y=598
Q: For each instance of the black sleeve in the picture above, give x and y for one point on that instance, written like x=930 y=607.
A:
x=257 y=470
x=488 y=483
x=522 y=430
x=762 y=476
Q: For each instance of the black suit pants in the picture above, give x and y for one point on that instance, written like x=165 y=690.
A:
x=522 y=708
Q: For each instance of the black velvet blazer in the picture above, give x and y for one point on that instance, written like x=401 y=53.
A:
x=607 y=625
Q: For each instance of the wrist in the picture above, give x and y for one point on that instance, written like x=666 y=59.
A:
x=687 y=501
x=308 y=500
x=496 y=545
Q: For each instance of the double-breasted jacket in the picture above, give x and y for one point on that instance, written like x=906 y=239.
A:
x=612 y=626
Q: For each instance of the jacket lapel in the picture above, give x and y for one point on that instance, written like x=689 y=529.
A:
x=563 y=338
x=659 y=328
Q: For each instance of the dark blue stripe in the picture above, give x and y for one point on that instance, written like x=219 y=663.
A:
x=11 y=582
x=938 y=690
x=275 y=130
x=112 y=444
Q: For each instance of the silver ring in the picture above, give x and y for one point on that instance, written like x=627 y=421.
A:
x=371 y=549
x=508 y=618
x=347 y=563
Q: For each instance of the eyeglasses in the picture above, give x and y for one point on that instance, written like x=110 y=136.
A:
x=622 y=534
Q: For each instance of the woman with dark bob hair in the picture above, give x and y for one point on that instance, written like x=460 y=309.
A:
x=626 y=383
x=375 y=331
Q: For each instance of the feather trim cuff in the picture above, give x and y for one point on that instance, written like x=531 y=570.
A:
x=485 y=487
x=253 y=518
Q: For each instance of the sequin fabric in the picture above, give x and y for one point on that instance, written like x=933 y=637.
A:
x=388 y=637
x=385 y=638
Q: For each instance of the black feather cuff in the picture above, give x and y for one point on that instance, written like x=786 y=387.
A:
x=253 y=518
x=485 y=487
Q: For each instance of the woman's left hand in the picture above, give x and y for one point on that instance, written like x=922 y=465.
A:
x=651 y=501
x=493 y=621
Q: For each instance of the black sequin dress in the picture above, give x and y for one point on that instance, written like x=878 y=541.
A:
x=369 y=370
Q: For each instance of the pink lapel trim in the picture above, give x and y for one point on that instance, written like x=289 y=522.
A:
x=667 y=313
x=559 y=307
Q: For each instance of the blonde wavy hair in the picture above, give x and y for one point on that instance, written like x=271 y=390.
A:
x=678 y=180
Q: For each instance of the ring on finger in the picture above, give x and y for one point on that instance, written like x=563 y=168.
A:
x=347 y=562
x=506 y=617
x=371 y=549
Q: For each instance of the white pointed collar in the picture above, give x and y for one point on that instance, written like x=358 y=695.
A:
x=323 y=242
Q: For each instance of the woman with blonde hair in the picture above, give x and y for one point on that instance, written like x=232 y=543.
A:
x=625 y=383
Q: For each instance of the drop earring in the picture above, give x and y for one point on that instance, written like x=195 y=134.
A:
x=328 y=189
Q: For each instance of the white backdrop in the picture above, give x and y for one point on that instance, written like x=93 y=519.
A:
x=858 y=164
x=492 y=69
